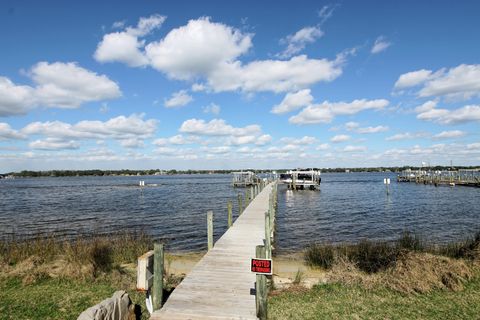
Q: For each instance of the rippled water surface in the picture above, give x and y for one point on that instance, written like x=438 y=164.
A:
x=349 y=207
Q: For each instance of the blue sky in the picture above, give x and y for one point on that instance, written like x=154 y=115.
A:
x=220 y=85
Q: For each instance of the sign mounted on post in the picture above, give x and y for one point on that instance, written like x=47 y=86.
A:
x=261 y=266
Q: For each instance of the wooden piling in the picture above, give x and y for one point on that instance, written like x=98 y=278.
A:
x=210 y=229
x=240 y=206
x=261 y=288
x=268 y=234
x=157 y=289
x=229 y=208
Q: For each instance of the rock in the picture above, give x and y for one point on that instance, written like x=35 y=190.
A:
x=118 y=307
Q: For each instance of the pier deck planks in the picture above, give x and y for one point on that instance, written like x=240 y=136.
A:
x=221 y=285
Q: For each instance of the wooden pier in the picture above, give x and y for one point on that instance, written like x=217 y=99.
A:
x=469 y=178
x=221 y=285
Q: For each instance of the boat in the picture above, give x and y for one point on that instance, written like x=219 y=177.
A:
x=302 y=179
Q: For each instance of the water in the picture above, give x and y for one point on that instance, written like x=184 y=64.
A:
x=348 y=208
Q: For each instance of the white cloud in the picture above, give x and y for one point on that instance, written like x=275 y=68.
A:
x=54 y=144
x=326 y=111
x=197 y=87
x=381 y=44
x=197 y=48
x=293 y=101
x=449 y=134
x=176 y=140
x=119 y=128
x=326 y=12
x=14 y=99
x=212 y=108
x=263 y=139
x=429 y=112
x=372 y=129
x=302 y=141
x=217 y=127
x=178 y=99
x=274 y=75
x=458 y=83
x=323 y=146
x=7 y=133
x=355 y=149
x=125 y=46
x=119 y=24
x=411 y=79
x=132 y=143
x=405 y=136
x=67 y=85
x=351 y=125
x=462 y=81
x=296 y=42
x=340 y=138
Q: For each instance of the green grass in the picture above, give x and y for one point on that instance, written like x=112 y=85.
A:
x=54 y=298
x=335 y=301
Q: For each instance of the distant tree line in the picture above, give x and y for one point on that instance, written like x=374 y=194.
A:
x=128 y=172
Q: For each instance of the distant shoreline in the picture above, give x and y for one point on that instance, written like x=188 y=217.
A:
x=158 y=172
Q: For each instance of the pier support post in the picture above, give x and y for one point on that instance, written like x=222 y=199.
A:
x=268 y=234
x=247 y=198
x=252 y=195
x=229 y=208
x=240 y=206
x=261 y=288
x=210 y=229
x=157 y=289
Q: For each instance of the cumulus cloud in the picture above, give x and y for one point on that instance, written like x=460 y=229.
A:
x=178 y=99
x=119 y=128
x=381 y=44
x=405 y=136
x=54 y=144
x=449 y=134
x=197 y=48
x=68 y=85
x=125 y=46
x=355 y=149
x=458 y=83
x=296 y=42
x=293 y=101
x=301 y=141
x=429 y=112
x=323 y=146
x=326 y=111
x=62 y=85
x=212 y=108
x=340 y=138
x=376 y=129
x=7 y=133
x=217 y=127
x=411 y=79
x=209 y=52
x=176 y=140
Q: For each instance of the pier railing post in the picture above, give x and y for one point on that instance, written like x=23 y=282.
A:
x=247 y=198
x=252 y=195
x=157 y=289
x=268 y=234
x=261 y=288
x=210 y=229
x=240 y=206
x=229 y=208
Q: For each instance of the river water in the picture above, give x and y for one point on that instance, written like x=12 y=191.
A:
x=349 y=207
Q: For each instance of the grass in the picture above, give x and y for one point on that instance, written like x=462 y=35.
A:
x=336 y=301
x=48 y=278
x=372 y=257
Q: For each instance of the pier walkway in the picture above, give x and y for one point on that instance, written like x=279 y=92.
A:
x=221 y=285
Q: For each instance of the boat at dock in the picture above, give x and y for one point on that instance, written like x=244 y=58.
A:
x=308 y=179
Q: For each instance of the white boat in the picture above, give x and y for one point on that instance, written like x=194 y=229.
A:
x=302 y=179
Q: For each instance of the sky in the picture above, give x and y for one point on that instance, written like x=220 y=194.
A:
x=248 y=84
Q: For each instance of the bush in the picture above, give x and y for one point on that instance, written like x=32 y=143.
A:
x=320 y=256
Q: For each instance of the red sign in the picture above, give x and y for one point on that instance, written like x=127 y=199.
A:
x=262 y=266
